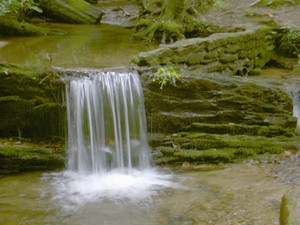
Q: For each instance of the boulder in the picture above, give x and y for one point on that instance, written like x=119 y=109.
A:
x=71 y=11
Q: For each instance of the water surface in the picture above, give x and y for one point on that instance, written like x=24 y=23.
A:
x=245 y=193
x=97 y=46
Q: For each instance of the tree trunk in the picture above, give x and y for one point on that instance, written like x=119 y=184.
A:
x=71 y=11
x=174 y=10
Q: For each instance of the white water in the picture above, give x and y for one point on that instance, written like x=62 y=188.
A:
x=106 y=123
x=108 y=152
x=296 y=109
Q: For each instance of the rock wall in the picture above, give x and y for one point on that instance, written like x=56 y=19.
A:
x=207 y=118
x=31 y=104
x=239 y=53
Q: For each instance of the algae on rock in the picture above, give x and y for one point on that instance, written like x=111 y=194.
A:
x=31 y=106
x=22 y=158
x=167 y=21
x=31 y=109
x=71 y=11
x=212 y=119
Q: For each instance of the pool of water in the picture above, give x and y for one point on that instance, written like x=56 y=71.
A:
x=245 y=193
x=97 y=46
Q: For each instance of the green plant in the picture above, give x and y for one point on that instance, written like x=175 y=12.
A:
x=289 y=39
x=19 y=8
x=289 y=42
x=165 y=75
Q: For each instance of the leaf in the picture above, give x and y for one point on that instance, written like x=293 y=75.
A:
x=37 y=9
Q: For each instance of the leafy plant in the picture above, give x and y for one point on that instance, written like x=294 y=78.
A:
x=288 y=42
x=289 y=39
x=165 y=75
x=18 y=7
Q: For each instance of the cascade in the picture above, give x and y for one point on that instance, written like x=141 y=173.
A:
x=106 y=123
x=296 y=109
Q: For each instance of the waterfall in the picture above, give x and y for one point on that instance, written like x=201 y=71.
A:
x=106 y=123
x=296 y=109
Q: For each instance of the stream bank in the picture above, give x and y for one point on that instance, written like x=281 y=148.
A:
x=177 y=122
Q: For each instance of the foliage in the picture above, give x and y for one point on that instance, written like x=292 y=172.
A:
x=165 y=75
x=288 y=42
x=289 y=39
x=19 y=8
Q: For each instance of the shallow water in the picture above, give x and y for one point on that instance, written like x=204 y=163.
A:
x=97 y=46
x=246 y=193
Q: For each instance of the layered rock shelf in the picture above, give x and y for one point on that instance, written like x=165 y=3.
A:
x=240 y=53
x=212 y=119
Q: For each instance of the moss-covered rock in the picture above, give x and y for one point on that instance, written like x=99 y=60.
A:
x=11 y=27
x=71 y=11
x=31 y=103
x=239 y=53
x=197 y=147
x=24 y=157
x=215 y=118
x=219 y=103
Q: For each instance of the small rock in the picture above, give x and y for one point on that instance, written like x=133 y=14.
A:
x=186 y=165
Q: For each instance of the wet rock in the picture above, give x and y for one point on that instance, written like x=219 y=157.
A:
x=237 y=53
x=22 y=158
x=31 y=104
x=12 y=27
x=217 y=118
x=71 y=11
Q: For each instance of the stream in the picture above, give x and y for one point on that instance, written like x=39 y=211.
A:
x=244 y=193
x=96 y=46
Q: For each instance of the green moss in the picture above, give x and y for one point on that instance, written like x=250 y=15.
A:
x=167 y=151
x=6 y=99
x=209 y=155
x=12 y=27
x=239 y=129
x=214 y=148
x=31 y=102
x=164 y=31
x=71 y=11
x=19 y=158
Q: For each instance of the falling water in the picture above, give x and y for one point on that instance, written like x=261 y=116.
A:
x=296 y=110
x=106 y=123
x=108 y=152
